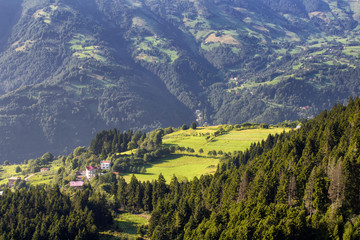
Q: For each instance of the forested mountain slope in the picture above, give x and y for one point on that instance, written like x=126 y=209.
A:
x=302 y=184
x=299 y=185
x=70 y=68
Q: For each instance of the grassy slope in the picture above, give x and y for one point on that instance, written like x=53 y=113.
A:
x=186 y=165
x=125 y=226
x=34 y=179
x=9 y=171
x=234 y=140
x=182 y=164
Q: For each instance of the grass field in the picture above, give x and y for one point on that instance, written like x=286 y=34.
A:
x=187 y=166
x=81 y=45
x=125 y=226
x=234 y=140
x=9 y=171
x=155 y=42
x=183 y=166
x=34 y=178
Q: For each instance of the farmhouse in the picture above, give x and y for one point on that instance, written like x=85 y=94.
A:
x=12 y=181
x=80 y=174
x=105 y=165
x=76 y=184
x=91 y=171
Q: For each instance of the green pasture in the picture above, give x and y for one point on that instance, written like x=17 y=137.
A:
x=125 y=226
x=41 y=178
x=34 y=178
x=235 y=140
x=82 y=48
x=158 y=43
x=186 y=166
x=183 y=166
x=9 y=171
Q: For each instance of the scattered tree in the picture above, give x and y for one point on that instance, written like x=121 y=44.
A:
x=193 y=125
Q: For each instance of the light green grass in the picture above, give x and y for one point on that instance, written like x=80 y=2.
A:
x=209 y=46
x=233 y=141
x=161 y=44
x=187 y=166
x=241 y=140
x=202 y=34
x=182 y=166
x=125 y=226
x=82 y=49
x=352 y=50
x=41 y=178
x=9 y=171
x=37 y=178
x=272 y=82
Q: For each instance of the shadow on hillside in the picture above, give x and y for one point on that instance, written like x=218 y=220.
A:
x=125 y=226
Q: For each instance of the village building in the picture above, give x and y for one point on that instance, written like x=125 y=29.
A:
x=44 y=169
x=105 y=165
x=91 y=172
x=81 y=174
x=12 y=181
x=77 y=184
x=1 y=193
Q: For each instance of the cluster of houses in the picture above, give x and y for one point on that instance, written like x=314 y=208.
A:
x=89 y=173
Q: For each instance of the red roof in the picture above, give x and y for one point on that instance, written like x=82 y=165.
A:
x=91 y=168
x=105 y=161
x=76 y=183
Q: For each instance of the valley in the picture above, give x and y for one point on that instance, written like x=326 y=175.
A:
x=183 y=119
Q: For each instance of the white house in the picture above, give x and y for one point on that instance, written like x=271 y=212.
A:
x=105 y=165
x=90 y=172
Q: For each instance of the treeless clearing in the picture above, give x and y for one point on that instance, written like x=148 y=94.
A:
x=226 y=39
x=320 y=15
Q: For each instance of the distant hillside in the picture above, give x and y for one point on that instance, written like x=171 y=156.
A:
x=70 y=68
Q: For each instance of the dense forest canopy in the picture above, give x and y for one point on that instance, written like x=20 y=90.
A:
x=69 y=69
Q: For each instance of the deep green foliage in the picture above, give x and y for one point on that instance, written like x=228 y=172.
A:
x=299 y=185
x=113 y=141
x=46 y=213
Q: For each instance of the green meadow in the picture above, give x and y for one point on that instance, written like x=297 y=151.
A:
x=125 y=226
x=234 y=140
x=34 y=178
x=9 y=171
x=189 y=165
x=183 y=166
